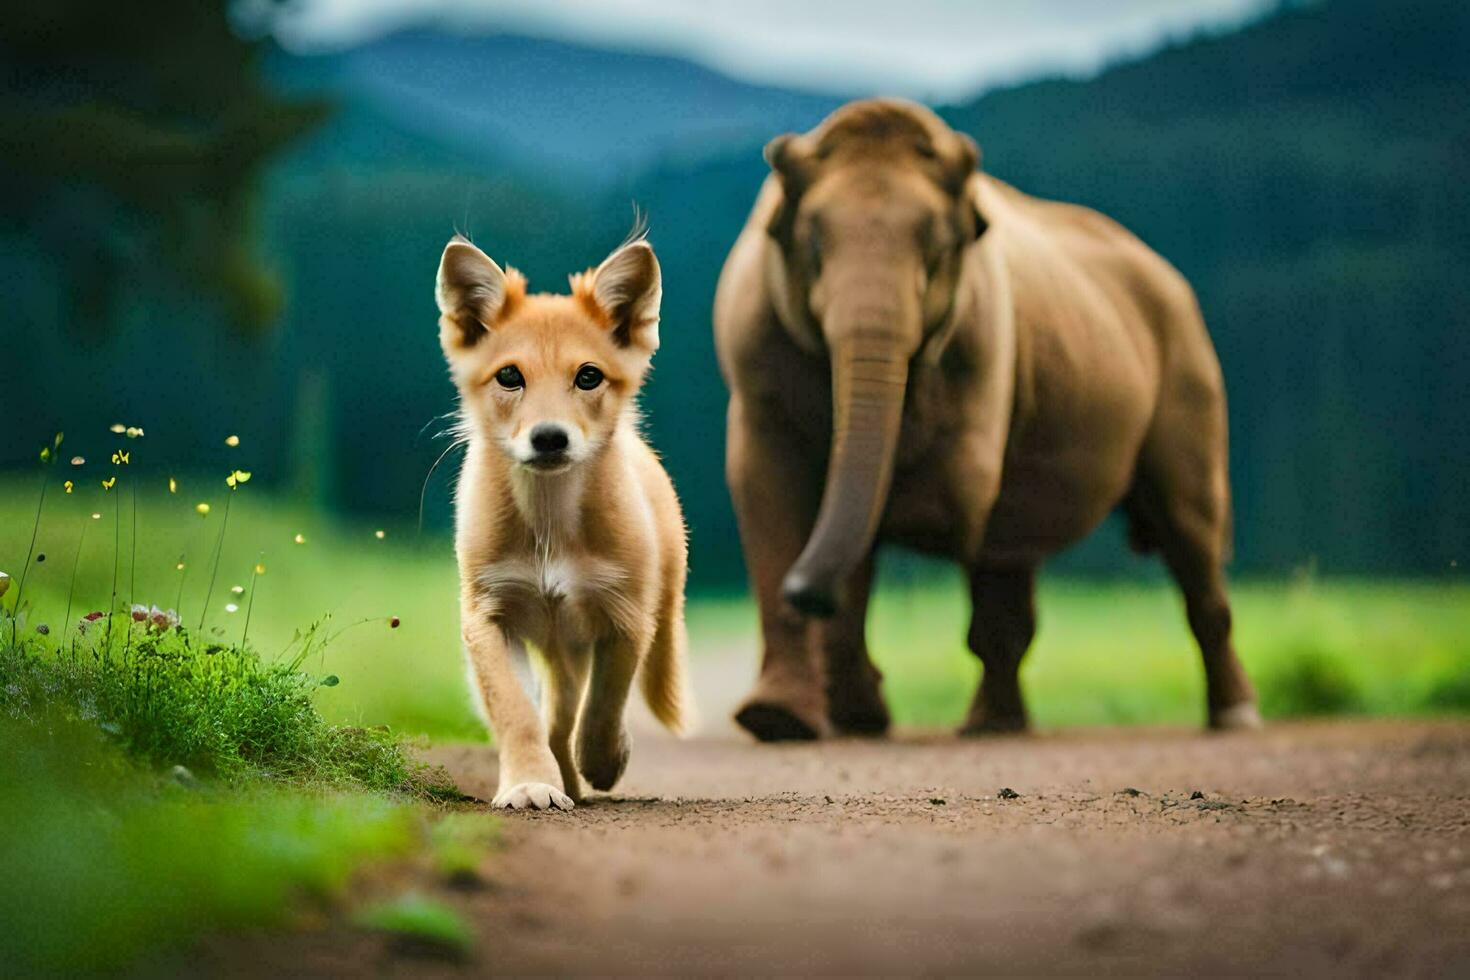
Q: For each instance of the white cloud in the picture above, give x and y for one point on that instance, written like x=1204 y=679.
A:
x=937 y=49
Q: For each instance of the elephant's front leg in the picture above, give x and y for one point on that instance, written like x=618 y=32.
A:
x=775 y=485
x=854 y=699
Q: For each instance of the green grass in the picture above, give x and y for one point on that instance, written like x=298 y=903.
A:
x=420 y=922
x=169 y=696
x=1106 y=652
x=410 y=678
x=106 y=863
x=165 y=780
x=1121 y=653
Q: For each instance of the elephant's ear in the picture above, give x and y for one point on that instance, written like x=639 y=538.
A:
x=961 y=162
x=792 y=162
x=976 y=214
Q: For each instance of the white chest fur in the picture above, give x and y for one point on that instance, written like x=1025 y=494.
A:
x=576 y=596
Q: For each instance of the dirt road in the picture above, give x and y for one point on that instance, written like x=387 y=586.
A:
x=1340 y=847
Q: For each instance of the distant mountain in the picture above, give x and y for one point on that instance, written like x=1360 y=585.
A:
x=549 y=105
x=1310 y=174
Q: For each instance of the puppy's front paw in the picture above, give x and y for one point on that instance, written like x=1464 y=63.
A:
x=602 y=762
x=533 y=796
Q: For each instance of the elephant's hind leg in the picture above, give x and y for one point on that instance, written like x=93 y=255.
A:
x=1002 y=625
x=1180 y=504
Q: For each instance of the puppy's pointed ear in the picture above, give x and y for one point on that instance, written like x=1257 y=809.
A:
x=471 y=293
x=628 y=287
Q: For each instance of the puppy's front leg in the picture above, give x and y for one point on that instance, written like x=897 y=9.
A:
x=602 y=738
x=529 y=776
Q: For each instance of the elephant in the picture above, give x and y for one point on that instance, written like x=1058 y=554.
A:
x=918 y=353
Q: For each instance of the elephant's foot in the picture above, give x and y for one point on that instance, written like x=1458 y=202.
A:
x=1237 y=717
x=783 y=713
x=857 y=708
x=995 y=721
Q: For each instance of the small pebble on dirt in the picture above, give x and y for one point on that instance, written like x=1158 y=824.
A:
x=1130 y=791
x=1214 y=805
x=937 y=801
x=1196 y=795
x=1006 y=793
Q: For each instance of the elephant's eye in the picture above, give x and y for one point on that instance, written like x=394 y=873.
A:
x=510 y=377
x=589 y=377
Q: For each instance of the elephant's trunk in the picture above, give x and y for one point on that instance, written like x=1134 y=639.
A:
x=869 y=375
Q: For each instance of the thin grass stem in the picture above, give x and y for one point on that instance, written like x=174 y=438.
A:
x=249 y=606
x=71 y=590
x=20 y=587
x=116 y=552
x=214 y=572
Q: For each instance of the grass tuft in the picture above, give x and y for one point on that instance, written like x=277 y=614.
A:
x=175 y=697
x=1306 y=682
x=420 y=924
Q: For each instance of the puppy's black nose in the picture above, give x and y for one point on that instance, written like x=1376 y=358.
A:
x=547 y=439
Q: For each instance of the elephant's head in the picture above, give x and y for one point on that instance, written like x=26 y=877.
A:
x=874 y=220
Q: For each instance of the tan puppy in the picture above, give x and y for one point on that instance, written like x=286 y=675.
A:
x=568 y=531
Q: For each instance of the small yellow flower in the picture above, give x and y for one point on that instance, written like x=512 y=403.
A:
x=109 y=484
x=68 y=486
x=380 y=534
x=118 y=427
x=96 y=516
x=179 y=567
x=300 y=538
x=173 y=485
x=259 y=569
x=202 y=509
x=45 y=454
x=232 y=441
x=77 y=461
x=121 y=458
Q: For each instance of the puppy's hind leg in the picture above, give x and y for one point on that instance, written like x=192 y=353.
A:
x=602 y=738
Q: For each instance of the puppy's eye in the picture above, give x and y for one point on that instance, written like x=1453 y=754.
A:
x=588 y=377
x=510 y=377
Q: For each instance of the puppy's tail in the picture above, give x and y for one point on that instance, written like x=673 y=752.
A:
x=665 y=681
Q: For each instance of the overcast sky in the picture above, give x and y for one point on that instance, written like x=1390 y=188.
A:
x=934 y=49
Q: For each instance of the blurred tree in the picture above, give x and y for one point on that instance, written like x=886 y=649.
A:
x=132 y=136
